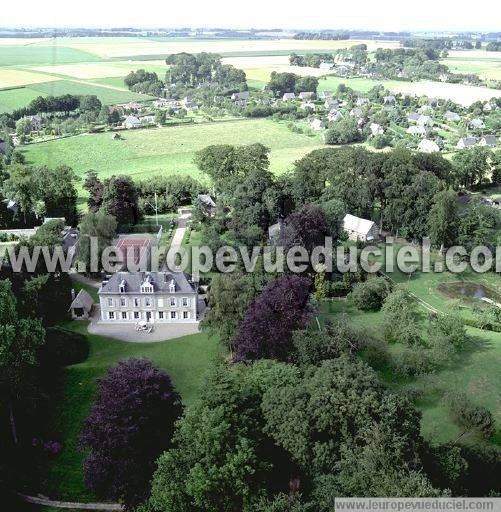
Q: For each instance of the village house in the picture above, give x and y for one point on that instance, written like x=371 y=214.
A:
x=413 y=117
x=376 y=129
x=132 y=106
x=359 y=229
x=325 y=95
x=131 y=122
x=240 y=96
x=416 y=130
x=307 y=105
x=36 y=121
x=156 y=297
x=317 y=124
x=362 y=101
x=389 y=100
x=428 y=146
x=208 y=204
x=334 y=115
x=488 y=140
x=326 y=66
x=466 y=142
x=489 y=106
x=425 y=121
x=330 y=103
x=452 y=116
x=477 y=123
x=288 y=96
x=82 y=305
x=356 y=112
x=306 y=95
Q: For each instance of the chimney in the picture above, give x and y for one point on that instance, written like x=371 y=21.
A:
x=73 y=294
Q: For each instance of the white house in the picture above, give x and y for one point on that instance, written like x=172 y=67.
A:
x=488 y=140
x=452 y=116
x=131 y=122
x=359 y=229
x=477 y=123
x=159 y=297
x=416 y=130
x=428 y=146
x=376 y=129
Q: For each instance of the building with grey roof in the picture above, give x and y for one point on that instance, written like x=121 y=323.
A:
x=154 y=297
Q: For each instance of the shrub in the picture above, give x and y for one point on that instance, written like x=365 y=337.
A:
x=413 y=361
x=338 y=289
x=64 y=347
x=376 y=353
x=370 y=295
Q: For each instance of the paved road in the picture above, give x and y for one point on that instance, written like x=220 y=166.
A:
x=178 y=237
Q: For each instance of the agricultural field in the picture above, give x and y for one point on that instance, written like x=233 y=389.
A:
x=170 y=150
x=31 y=54
x=12 y=99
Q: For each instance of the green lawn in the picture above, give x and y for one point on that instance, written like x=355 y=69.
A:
x=185 y=360
x=147 y=152
x=29 y=54
x=330 y=83
x=107 y=95
x=12 y=99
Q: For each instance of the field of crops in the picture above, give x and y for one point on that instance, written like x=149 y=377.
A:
x=31 y=54
x=169 y=150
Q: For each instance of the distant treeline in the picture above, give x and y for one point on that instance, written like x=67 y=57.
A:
x=331 y=36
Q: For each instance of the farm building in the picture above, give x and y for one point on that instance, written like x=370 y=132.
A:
x=82 y=305
x=131 y=122
x=466 y=142
x=288 y=96
x=306 y=95
x=359 y=229
x=488 y=140
x=428 y=146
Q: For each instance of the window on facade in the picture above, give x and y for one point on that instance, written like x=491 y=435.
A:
x=147 y=302
x=136 y=315
x=161 y=315
x=160 y=303
x=172 y=301
x=147 y=289
x=123 y=301
x=124 y=315
x=173 y=314
x=111 y=315
x=186 y=314
x=110 y=302
x=137 y=302
x=185 y=301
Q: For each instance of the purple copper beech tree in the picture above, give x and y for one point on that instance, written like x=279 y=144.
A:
x=129 y=425
x=266 y=330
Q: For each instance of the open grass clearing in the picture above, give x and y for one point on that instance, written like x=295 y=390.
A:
x=145 y=153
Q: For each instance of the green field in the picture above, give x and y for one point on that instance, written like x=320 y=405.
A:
x=484 y=68
x=185 y=360
x=330 y=83
x=30 y=54
x=146 y=152
x=107 y=95
x=12 y=99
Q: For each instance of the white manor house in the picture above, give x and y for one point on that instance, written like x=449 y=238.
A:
x=157 y=297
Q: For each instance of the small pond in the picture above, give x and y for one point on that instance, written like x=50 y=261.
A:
x=468 y=290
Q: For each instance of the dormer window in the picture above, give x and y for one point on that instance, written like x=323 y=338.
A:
x=172 y=286
x=122 y=287
x=147 y=286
